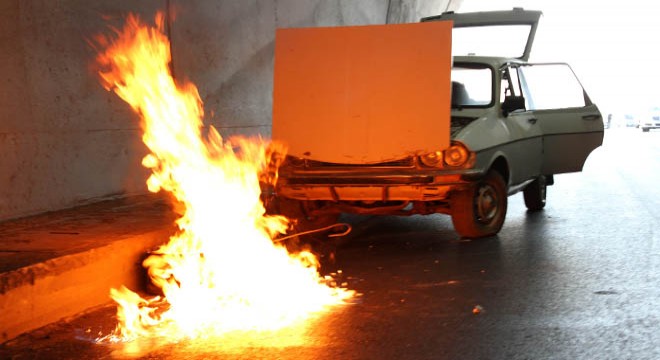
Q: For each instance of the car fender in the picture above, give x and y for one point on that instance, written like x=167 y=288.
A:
x=484 y=136
x=486 y=132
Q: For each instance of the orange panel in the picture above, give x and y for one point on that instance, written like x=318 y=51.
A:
x=363 y=94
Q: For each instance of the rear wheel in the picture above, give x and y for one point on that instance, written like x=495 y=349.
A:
x=534 y=194
x=645 y=129
x=480 y=210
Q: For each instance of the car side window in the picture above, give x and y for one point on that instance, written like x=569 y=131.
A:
x=551 y=86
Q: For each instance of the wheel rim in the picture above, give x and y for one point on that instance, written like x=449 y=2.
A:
x=487 y=204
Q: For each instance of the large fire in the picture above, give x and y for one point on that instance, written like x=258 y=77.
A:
x=221 y=271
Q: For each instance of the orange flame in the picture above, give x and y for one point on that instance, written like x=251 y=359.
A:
x=221 y=272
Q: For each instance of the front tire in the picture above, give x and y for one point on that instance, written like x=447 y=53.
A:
x=479 y=210
x=535 y=193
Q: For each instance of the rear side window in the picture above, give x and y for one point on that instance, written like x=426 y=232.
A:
x=551 y=86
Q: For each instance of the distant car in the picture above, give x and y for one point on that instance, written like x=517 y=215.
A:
x=514 y=125
x=652 y=121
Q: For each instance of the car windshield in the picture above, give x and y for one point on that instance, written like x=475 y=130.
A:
x=471 y=86
x=497 y=40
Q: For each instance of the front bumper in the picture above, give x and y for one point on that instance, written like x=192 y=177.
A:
x=372 y=184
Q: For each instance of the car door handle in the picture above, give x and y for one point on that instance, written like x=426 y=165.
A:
x=532 y=120
x=591 y=117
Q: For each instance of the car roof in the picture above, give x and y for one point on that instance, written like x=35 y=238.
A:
x=506 y=18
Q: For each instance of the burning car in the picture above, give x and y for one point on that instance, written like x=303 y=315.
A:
x=510 y=126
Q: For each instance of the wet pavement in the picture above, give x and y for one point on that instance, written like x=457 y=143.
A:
x=579 y=280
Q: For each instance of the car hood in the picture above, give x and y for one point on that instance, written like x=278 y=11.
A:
x=508 y=34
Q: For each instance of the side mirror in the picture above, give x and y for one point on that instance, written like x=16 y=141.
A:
x=512 y=103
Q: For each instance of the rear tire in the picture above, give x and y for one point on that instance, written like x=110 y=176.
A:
x=645 y=129
x=479 y=210
x=535 y=193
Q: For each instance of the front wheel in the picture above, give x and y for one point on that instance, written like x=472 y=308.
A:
x=534 y=194
x=479 y=211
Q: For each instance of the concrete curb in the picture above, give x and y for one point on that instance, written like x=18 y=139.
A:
x=43 y=293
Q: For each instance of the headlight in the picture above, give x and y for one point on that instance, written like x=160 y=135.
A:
x=432 y=159
x=456 y=155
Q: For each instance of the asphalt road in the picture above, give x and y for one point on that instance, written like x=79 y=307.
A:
x=579 y=280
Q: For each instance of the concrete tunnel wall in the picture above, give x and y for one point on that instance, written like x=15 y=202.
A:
x=65 y=141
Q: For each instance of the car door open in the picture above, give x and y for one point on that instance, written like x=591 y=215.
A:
x=570 y=123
